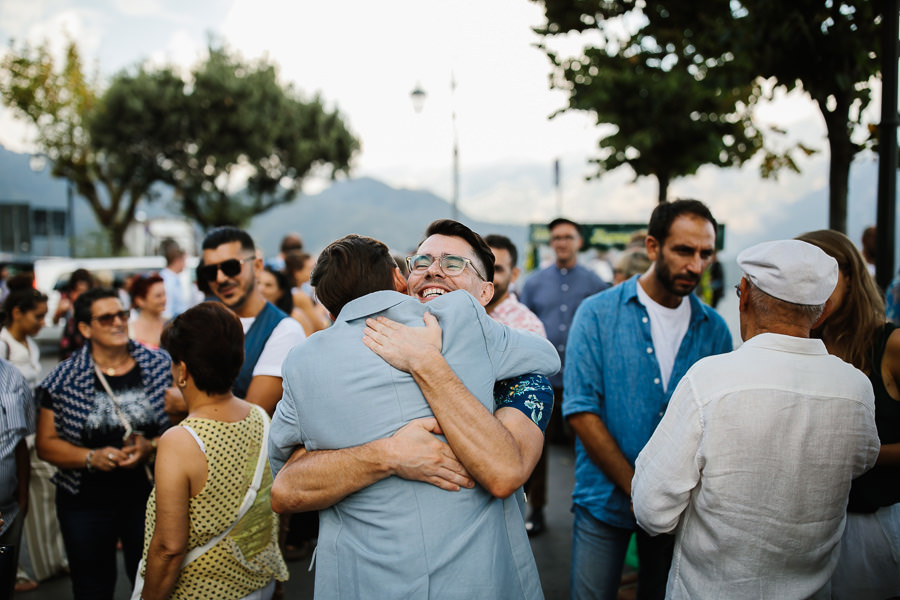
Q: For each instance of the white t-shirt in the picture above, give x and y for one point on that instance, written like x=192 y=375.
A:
x=667 y=329
x=25 y=357
x=287 y=334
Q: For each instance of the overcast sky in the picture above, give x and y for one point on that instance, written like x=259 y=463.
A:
x=365 y=58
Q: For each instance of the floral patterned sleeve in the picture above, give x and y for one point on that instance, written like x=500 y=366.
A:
x=531 y=394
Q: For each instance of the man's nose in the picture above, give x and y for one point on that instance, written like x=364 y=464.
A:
x=434 y=268
x=696 y=264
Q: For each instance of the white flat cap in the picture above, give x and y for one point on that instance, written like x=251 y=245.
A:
x=790 y=270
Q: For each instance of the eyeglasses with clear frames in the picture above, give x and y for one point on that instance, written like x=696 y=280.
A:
x=450 y=264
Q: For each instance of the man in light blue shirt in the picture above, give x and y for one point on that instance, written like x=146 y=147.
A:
x=405 y=536
x=628 y=348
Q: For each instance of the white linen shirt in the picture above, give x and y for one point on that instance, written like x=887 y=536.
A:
x=751 y=466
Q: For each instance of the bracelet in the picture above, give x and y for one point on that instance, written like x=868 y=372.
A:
x=87 y=461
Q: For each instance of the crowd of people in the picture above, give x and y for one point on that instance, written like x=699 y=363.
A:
x=404 y=407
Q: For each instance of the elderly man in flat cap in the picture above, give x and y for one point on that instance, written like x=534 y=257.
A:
x=752 y=462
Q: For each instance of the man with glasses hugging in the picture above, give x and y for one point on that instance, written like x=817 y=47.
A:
x=229 y=270
x=451 y=523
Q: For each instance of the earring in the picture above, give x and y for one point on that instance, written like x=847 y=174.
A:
x=181 y=383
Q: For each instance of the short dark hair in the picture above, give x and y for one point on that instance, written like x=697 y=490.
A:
x=291 y=242
x=502 y=242
x=295 y=260
x=349 y=268
x=209 y=339
x=171 y=250
x=22 y=296
x=85 y=302
x=226 y=235
x=564 y=221
x=665 y=214
x=141 y=284
x=80 y=275
x=452 y=228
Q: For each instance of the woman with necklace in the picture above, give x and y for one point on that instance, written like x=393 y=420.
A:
x=209 y=535
x=101 y=414
x=148 y=297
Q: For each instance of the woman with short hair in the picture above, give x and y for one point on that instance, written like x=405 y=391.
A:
x=211 y=532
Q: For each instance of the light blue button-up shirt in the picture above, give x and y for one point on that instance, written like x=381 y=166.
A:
x=611 y=370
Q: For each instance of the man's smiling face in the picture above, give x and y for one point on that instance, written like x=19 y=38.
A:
x=430 y=283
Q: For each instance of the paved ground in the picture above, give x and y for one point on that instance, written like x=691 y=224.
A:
x=552 y=549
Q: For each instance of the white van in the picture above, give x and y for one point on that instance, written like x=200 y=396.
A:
x=51 y=275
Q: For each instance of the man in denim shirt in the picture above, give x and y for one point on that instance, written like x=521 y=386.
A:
x=628 y=348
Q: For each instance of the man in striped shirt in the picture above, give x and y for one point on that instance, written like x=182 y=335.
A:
x=16 y=422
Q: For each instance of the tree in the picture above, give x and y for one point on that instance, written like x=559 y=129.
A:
x=825 y=47
x=231 y=140
x=60 y=99
x=234 y=126
x=668 y=120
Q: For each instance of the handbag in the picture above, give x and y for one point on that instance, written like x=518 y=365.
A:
x=249 y=499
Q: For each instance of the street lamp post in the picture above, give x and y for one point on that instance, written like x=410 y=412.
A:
x=418 y=99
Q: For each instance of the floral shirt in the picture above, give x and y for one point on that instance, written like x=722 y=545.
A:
x=531 y=394
x=513 y=313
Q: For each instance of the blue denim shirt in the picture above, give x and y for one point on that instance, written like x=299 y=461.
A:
x=553 y=294
x=612 y=372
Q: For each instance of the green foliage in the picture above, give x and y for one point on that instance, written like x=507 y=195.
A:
x=60 y=100
x=229 y=125
x=234 y=121
x=703 y=63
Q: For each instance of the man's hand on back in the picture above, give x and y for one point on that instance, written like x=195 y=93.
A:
x=416 y=454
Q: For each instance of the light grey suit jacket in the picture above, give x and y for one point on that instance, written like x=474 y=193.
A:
x=399 y=538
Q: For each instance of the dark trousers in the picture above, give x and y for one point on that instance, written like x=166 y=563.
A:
x=12 y=539
x=90 y=536
x=558 y=432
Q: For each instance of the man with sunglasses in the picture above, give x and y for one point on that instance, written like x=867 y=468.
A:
x=229 y=270
x=415 y=545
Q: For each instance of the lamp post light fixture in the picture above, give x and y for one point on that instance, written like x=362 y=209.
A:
x=418 y=96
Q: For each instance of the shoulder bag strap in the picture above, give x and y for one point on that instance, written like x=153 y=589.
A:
x=249 y=497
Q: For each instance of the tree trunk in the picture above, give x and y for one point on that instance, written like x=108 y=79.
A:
x=663 y=179
x=842 y=152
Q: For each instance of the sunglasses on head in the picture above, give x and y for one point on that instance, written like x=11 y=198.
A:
x=230 y=268
x=107 y=320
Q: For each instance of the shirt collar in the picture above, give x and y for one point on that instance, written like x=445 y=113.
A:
x=372 y=303
x=629 y=294
x=786 y=343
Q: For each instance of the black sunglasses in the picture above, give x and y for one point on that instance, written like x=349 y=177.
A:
x=108 y=319
x=230 y=268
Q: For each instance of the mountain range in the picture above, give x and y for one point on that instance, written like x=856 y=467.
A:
x=399 y=216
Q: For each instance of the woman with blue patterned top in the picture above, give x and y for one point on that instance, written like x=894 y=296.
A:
x=101 y=413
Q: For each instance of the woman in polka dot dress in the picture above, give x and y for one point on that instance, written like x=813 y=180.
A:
x=203 y=471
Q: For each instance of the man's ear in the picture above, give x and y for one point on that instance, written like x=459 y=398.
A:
x=829 y=308
x=651 y=244
x=85 y=330
x=514 y=274
x=400 y=281
x=487 y=292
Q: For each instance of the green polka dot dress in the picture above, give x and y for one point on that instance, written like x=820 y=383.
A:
x=248 y=557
